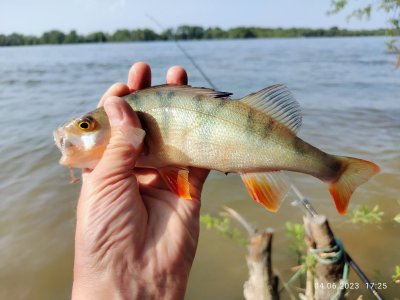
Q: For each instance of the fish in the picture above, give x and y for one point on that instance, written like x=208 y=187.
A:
x=255 y=136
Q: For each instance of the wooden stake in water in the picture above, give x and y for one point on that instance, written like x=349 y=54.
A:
x=313 y=213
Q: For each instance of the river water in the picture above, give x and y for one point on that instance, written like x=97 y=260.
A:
x=349 y=92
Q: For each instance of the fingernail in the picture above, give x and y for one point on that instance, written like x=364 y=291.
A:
x=114 y=112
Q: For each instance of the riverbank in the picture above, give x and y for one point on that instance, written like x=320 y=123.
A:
x=184 y=32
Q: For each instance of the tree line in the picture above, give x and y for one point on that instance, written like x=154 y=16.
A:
x=184 y=32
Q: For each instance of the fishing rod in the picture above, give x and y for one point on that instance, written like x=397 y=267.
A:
x=300 y=197
x=187 y=55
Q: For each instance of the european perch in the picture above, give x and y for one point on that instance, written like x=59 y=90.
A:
x=199 y=127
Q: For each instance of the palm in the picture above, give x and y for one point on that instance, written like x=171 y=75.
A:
x=172 y=223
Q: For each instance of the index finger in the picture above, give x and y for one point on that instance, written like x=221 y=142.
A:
x=139 y=77
x=177 y=75
x=118 y=89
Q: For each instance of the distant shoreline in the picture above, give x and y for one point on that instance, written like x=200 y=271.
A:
x=180 y=33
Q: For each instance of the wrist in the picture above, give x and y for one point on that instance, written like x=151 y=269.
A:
x=109 y=285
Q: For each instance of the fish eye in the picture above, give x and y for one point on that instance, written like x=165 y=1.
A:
x=86 y=124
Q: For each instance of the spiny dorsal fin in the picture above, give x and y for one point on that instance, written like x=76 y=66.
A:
x=278 y=102
x=186 y=89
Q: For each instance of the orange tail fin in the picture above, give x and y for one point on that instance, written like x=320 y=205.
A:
x=356 y=172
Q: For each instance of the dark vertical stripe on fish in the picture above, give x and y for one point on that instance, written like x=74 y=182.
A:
x=199 y=107
x=249 y=121
x=336 y=167
x=299 y=146
x=131 y=99
x=137 y=103
x=268 y=127
x=170 y=95
x=166 y=102
x=217 y=112
x=221 y=105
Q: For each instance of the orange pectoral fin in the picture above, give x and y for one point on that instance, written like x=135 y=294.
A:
x=268 y=189
x=177 y=180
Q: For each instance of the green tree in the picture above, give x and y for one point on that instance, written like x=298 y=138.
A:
x=168 y=34
x=96 y=37
x=186 y=32
x=241 y=33
x=72 y=37
x=144 y=35
x=215 y=33
x=3 y=40
x=122 y=35
x=14 y=39
x=30 y=40
x=53 y=37
x=364 y=11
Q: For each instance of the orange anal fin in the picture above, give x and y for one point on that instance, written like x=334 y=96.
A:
x=177 y=180
x=269 y=189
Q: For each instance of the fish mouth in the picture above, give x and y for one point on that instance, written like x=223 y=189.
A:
x=59 y=140
x=65 y=146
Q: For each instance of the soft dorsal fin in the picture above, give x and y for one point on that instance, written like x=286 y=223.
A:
x=278 y=102
x=186 y=89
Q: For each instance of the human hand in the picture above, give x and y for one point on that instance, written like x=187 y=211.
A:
x=135 y=239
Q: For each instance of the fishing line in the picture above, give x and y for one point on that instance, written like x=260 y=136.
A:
x=187 y=55
x=300 y=197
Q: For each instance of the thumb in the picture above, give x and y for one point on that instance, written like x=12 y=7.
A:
x=126 y=139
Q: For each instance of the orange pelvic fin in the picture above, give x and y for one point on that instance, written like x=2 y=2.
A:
x=177 y=180
x=268 y=189
x=356 y=172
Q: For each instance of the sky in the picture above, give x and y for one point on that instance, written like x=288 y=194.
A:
x=85 y=16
